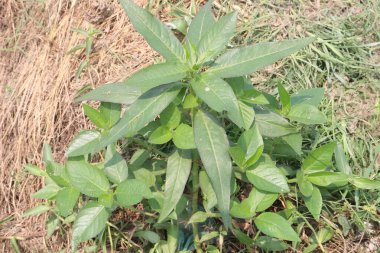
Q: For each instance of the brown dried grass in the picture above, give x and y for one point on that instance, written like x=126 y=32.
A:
x=37 y=90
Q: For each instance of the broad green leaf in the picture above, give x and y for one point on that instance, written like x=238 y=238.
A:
x=306 y=114
x=161 y=135
x=177 y=173
x=241 y=210
x=89 y=222
x=35 y=170
x=200 y=24
x=95 y=116
x=219 y=96
x=328 y=179
x=57 y=172
x=36 y=210
x=276 y=226
x=284 y=98
x=268 y=178
x=48 y=192
x=88 y=179
x=246 y=60
x=270 y=244
x=248 y=114
x=262 y=200
x=208 y=193
x=84 y=143
x=212 y=144
x=319 y=159
x=238 y=156
x=209 y=236
x=314 y=203
x=171 y=116
x=365 y=183
x=138 y=158
x=183 y=137
x=115 y=166
x=138 y=115
x=306 y=188
x=252 y=145
x=216 y=38
x=191 y=101
x=271 y=124
x=148 y=235
x=66 y=199
x=111 y=112
x=341 y=160
x=131 y=192
x=106 y=199
x=157 y=34
x=200 y=216
x=146 y=176
x=311 y=96
x=240 y=85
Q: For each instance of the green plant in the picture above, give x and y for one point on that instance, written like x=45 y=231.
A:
x=194 y=125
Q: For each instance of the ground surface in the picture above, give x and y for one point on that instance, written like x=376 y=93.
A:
x=38 y=84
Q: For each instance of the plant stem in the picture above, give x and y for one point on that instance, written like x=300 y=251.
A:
x=194 y=201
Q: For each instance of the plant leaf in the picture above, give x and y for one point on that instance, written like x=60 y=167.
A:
x=314 y=203
x=341 y=160
x=217 y=94
x=212 y=144
x=89 y=222
x=208 y=193
x=177 y=173
x=246 y=60
x=328 y=179
x=158 y=36
x=284 y=98
x=216 y=38
x=306 y=188
x=268 y=178
x=319 y=159
x=201 y=24
x=271 y=124
x=131 y=192
x=83 y=143
x=95 y=116
x=88 y=179
x=48 y=192
x=252 y=145
x=161 y=135
x=171 y=116
x=276 y=226
x=66 y=199
x=148 y=235
x=200 y=216
x=269 y=244
x=311 y=96
x=111 y=112
x=183 y=137
x=365 y=183
x=36 y=210
x=306 y=114
x=115 y=166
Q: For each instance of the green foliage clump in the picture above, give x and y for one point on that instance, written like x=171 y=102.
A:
x=195 y=126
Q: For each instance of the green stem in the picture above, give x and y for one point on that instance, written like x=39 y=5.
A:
x=194 y=202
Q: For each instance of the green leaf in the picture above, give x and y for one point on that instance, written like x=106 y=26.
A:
x=270 y=244
x=284 y=98
x=57 y=172
x=201 y=24
x=286 y=147
x=208 y=193
x=200 y=216
x=131 y=192
x=88 y=179
x=306 y=188
x=191 y=101
x=158 y=36
x=243 y=238
x=248 y=114
x=319 y=159
x=138 y=158
x=146 y=176
x=271 y=124
x=47 y=154
x=268 y=178
x=365 y=183
x=47 y=192
x=83 y=143
x=328 y=179
x=314 y=203
x=148 y=235
x=177 y=173
x=66 y=200
x=95 y=116
x=89 y=222
x=311 y=96
x=208 y=236
x=161 y=135
x=341 y=160
x=306 y=114
x=219 y=96
x=252 y=145
x=111 y=112
x=115 y=166
x=212 y=144
x=183 y=137
x=246 y=60
x=36 y=210
x=276 y=226
x=216 y=38
x=35 y=170
x=171 y=116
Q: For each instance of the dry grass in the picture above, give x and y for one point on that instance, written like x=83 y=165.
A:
x=37 y=87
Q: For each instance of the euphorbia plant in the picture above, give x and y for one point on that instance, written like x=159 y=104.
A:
x=194 y=124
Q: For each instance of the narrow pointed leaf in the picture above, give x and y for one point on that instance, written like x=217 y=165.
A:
x=95 y=116
x=201 y=23
x=111 y=112
x=319 y=159
x=341 y=160
x=159 y=37
x=212 y=144
x=271 y=124
x=177 y=173
x=328 y=179
x=365 y=183
x=246 y=60
x=314 y=203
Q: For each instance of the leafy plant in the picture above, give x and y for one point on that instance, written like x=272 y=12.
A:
x=194 y=125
